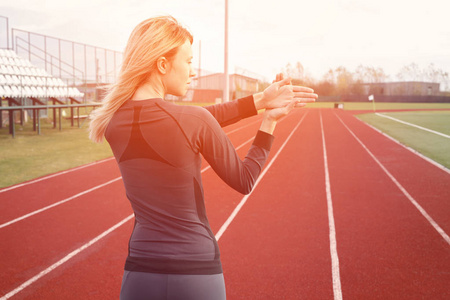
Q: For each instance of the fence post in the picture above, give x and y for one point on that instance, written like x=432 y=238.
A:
x=60 y=119
x=1 y=114
x=39 y=122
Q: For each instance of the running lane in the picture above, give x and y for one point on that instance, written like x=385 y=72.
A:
x=278 y=245
x=25 y=199
x=386 y=248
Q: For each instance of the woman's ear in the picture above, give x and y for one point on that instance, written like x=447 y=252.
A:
x=162 y=65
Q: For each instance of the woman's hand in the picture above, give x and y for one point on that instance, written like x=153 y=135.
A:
x=273 y=115
x=280 y=93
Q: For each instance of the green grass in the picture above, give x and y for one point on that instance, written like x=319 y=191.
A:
x=429 y=144
x=30 y=155
x=434 y=120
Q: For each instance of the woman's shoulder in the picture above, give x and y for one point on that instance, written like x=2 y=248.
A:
x=188 y=111
x=194 y=120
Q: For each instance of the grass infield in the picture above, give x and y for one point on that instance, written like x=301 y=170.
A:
x=29 y=155
x=429 y=144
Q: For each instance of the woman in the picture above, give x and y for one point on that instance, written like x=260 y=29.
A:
x=173 y=253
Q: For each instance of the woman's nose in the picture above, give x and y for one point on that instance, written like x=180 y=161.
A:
x=192 y=72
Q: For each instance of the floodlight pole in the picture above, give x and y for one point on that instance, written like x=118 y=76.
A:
x=7 y=31
x=199 y=75
x=226 y=77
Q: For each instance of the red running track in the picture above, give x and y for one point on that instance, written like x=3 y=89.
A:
x=278 y=244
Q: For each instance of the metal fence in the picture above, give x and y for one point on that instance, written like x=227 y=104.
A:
x=75 y=63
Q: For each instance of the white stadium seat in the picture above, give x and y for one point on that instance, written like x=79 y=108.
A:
x=51 y=82
x=63 y=91
x=16 y=70
x=34 y=81
x=51 y=92
x=41 y=92
x=43 y=81
x=28 y=92
x=9 y=79
x=28 y=72
x=22 y=71
x=8 y=92
x=40 y=81
x=34 y=91
x=16 y=80
x=12 y=53
x=27 y=80
x=15 y=92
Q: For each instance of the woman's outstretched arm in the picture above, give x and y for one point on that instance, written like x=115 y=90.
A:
x=277 y=95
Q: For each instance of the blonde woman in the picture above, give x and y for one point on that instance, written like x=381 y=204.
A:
x=173 y=253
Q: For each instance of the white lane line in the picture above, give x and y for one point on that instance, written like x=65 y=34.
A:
x=54 y=175
x=436 y=164
x=65 y=259
x=57 y=203
x=410 y=198
x=239 y=128
x=337 y=291
x=413 y=125
x=244 y=199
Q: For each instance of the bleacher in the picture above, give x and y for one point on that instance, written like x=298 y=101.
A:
x=21 y=79
x=28 y=89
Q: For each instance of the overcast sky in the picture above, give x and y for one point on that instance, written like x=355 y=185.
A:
x=263 y=36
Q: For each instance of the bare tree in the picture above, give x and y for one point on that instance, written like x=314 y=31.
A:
x=295 y=72
x=344 y=79
x=435 y=74
x=410 y=72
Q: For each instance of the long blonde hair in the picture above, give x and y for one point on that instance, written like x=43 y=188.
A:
x=151 y=39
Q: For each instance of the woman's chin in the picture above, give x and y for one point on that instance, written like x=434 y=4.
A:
x=179 y=93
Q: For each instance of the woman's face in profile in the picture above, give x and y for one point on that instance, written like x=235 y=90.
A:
x=180 y=71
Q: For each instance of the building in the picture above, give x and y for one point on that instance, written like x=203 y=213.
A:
x=213 y=85
x=402 y=88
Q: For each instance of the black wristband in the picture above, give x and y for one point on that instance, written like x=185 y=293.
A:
x=246 y=107
x=263 y=140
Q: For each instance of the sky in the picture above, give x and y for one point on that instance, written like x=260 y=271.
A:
x=264 y=36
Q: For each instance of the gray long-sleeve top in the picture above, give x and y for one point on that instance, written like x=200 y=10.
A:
x=158 y=147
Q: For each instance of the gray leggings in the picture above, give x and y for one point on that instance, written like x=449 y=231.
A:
x=152 y=286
